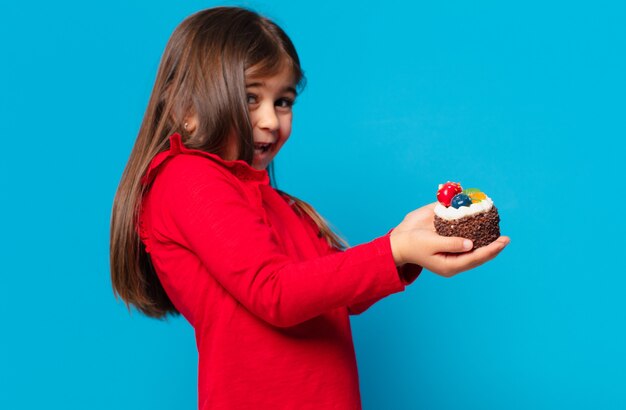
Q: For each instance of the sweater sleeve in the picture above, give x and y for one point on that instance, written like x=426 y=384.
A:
x=407 y=273
x=208 y=212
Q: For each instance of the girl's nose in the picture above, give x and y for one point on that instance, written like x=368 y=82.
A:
x=267 y=118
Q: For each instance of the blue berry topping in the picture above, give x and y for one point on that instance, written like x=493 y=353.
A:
x=460 y=200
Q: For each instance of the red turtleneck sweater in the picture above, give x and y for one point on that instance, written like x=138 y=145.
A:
x=268 y=298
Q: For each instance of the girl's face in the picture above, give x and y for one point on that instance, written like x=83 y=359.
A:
x=270 y=100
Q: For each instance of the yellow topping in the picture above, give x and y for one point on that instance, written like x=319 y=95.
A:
x=477 y=197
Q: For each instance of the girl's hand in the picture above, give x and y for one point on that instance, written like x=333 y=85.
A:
x=416 y=241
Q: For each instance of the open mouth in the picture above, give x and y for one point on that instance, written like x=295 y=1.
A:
x=261 y=148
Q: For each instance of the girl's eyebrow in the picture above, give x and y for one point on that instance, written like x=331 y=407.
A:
x=285 y=89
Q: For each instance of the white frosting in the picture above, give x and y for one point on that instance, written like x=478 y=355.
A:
x=450 y=213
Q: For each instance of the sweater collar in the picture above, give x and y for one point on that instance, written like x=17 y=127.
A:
x=239 y=168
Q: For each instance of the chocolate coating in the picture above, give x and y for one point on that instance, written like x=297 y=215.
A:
x=482 y=228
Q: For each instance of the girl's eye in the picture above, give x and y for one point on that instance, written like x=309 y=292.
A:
x=251 y=99
x=284 y=103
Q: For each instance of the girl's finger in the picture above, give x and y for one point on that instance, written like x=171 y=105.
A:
x=453 y=244
x=482 y=254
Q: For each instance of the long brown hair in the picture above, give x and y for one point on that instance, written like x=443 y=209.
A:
x=202 y=70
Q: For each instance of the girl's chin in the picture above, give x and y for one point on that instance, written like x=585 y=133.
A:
x=261 y=160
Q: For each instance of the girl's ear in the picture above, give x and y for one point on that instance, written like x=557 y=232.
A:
x=190 y=123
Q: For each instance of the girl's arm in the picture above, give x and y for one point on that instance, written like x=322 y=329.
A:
x=204 y=209
x=408 y=273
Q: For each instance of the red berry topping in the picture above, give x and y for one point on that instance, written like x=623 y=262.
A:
x=447 y=191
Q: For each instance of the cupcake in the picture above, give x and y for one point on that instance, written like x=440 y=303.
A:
x=467 y=213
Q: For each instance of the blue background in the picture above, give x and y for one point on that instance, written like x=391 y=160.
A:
x=524 y=100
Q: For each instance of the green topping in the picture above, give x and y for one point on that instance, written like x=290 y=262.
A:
x=468 y=191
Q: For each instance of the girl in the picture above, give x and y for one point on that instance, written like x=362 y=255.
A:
x=198 y=229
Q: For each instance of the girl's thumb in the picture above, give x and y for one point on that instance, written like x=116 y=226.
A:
x=455 y=244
